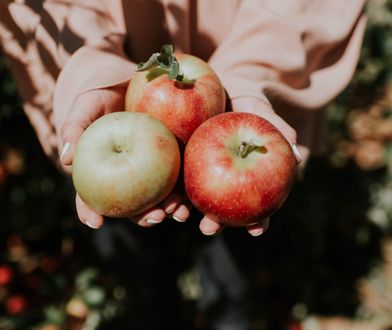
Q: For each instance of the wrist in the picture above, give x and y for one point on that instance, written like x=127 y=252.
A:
x=259 y=106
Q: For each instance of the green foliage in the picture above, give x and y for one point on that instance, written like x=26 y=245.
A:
x=164 y=62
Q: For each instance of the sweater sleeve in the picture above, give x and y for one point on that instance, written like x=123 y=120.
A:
x=58 y=49
x=99 y=63
x=295 y=55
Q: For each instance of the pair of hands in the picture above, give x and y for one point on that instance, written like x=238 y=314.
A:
x=93 y=104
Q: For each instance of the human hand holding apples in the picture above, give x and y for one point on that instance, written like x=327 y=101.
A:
x=199 y=97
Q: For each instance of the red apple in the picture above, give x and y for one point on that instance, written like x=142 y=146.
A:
x=6 y=275
x=182 y=91
x=16 y=304
x=125 y=163
x=238 y=168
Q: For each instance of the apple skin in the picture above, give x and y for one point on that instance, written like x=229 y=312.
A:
x=181 y=107
x=125 y=163
x=232 y=190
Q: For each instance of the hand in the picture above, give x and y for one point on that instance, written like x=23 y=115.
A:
x=88 y=107
x=258 y=107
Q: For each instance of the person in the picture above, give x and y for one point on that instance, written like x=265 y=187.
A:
x=283 y=60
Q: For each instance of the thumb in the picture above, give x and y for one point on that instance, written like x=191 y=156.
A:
x=288 y=132
x=78 y=120
x=87 y=108
x=263 y=109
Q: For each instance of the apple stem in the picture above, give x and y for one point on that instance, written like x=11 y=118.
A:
x=246 y=148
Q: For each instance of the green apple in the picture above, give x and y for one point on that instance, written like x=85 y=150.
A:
x=125 y=163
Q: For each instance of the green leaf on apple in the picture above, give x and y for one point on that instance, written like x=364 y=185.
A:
x=166 y=61
x=151 y=62
x=174 y=71
x=167 y=50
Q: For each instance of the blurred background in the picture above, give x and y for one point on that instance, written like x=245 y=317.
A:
x=326 y=262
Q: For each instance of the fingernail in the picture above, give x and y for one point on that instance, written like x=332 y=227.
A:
x=152 y=221
x=257 y=232
x=178 y=219
x=209 y=231
x=91 y=224
x=296 y=153
x=65 y=149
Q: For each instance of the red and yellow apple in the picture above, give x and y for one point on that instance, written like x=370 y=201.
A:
x=125 y=163
x=238 y=168
x=182 y=91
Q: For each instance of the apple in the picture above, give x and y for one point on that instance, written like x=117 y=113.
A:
x=238 y=168
x=16 y=304
x=125 y=163
x=182 y=91
x=6 y=275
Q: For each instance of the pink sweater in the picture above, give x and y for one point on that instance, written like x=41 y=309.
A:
x=296 y=55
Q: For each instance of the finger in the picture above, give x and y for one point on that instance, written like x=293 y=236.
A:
x=86 y=215
x=265 y=110
x=170 y=204
x=174 y=207
x=210 y=227
x=288 y=132
x=181 y=214
x=150 y=218
x=87 y=107
x=259 y=228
